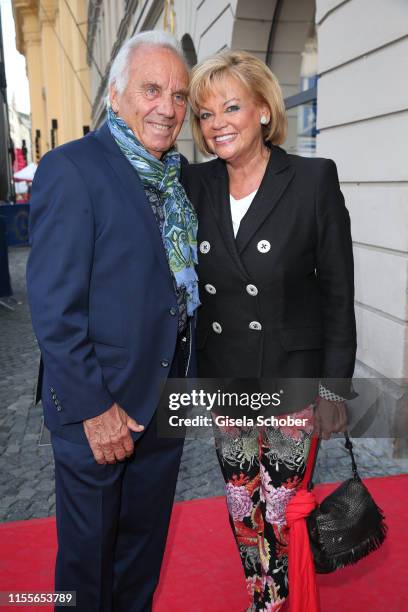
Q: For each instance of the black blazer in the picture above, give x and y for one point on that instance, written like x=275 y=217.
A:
x=277 y=301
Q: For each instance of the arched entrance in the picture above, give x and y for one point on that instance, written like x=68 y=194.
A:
x=185 y=140
x=282 y=33
x=189 y=50
x=292 y=56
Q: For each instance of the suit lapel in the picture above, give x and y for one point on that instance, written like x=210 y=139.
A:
x=132 y=189
x=218 y=196
x=278 y=175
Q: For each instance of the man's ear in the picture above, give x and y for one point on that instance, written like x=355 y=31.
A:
x=114 y=98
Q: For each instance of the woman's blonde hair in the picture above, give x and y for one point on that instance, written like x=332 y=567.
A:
x=254 y=74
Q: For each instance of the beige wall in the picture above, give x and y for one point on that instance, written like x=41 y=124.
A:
x=49 y=37
x=363 y=123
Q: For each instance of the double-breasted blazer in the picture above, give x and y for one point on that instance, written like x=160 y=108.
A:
x=277 y=300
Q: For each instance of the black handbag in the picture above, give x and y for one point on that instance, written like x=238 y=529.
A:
x=347 y=525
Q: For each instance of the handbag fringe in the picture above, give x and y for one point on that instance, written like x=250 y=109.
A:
x=370 y=544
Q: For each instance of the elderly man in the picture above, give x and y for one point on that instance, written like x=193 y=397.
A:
x=112 y=291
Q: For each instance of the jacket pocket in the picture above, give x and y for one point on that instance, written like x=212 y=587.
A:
x=301 y=338
x=111 y=355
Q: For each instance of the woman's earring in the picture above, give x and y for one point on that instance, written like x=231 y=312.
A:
x=264 y=120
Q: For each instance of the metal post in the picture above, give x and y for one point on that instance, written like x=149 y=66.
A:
x=37 y=145
x=54 y=130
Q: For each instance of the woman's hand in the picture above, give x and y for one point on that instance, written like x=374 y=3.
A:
x=330 y=417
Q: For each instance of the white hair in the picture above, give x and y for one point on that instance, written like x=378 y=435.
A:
x=119 y=71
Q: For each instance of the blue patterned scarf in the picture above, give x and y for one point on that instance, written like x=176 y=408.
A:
x=180 y=220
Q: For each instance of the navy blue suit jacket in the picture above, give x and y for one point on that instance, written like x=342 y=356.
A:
x=99 y=286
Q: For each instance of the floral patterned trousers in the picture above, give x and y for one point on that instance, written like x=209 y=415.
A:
x=262 y=468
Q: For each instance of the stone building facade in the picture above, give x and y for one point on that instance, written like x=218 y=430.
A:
x=52 y=36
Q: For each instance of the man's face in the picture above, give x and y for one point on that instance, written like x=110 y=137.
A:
x=154 y=101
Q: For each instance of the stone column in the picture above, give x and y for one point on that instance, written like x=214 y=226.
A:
x=32 y=49
x=51 y=63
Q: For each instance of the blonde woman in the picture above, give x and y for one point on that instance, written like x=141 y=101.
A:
x=276 y=286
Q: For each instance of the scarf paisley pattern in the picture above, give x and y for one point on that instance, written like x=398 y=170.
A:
x=180 y=223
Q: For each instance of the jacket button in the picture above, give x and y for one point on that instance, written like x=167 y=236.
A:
x=217 y=327
x=255 y=325
x=252 y=290
x=263 y=246
x=173 y=311
x=204 y=247
x=52 y=389
x=210 y=289
x=59 y=408
x=164 y=363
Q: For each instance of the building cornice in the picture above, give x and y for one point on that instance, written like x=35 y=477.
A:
x=21 y=10
x=31 y=29
x=48 y=11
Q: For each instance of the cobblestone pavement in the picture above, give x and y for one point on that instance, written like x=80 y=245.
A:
x=27 y=471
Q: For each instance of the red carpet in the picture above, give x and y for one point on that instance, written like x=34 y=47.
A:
x=202 y=571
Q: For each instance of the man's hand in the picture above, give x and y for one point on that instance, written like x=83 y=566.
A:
x=108 y=435
x=330 y=417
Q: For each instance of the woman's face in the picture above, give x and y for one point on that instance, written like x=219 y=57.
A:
x=230 y=121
